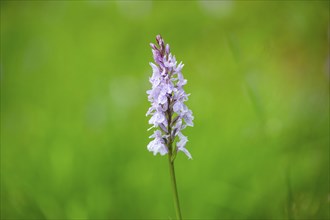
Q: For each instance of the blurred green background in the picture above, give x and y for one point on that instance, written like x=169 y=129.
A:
x=74 y=76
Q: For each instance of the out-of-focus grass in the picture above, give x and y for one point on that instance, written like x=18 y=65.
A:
x=73 y=103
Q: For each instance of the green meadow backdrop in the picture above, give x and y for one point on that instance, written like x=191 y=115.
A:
x=74 y=76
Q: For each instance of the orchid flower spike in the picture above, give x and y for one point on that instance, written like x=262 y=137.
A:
x=169 y=114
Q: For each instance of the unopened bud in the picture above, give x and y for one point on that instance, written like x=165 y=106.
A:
x=167 y=49
x=153 y=46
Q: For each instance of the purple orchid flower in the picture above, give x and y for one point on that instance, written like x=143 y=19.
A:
x=169 y=114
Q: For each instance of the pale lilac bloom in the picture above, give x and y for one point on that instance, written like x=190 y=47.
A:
x=158 y=144
x=182 y=143
x=169 y=114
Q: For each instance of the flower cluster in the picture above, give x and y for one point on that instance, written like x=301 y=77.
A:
x=168 y=112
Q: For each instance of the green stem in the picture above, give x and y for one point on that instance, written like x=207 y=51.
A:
x=171 y=161
x=175 y=190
